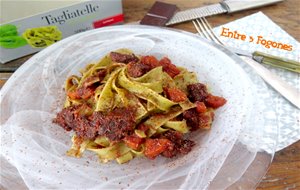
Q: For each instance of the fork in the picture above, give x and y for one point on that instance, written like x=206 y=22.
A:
x=290 y=93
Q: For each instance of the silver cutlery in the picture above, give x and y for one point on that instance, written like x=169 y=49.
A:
x=226 y=6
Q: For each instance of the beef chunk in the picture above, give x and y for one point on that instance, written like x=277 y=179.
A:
x=192 y=118
x=101 y=74
x=179 y=145
x=84 y=129
x=197 y=120
x=123 y=58
x=115 y=124
x=197 y=92
x=66 y=118
x=186 y=146
x=73 y=118
x=173 y=136
x=137 y=69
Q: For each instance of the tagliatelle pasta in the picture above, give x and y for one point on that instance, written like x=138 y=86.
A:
x=127 y=106
x=42 y=36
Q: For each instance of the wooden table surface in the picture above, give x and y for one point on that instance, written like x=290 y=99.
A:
x=284 y=172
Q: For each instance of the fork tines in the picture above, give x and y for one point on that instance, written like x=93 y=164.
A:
x=204 y=29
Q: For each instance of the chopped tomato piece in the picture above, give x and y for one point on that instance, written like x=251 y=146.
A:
x=176 y=95
x=206 y=119
x=170 y=151
x=153 y=147
x=73 y=94
x=201 y=108
x=169 y=67
x=214 y=101
x=150 y=60
x=82 y=92
x=133 y=141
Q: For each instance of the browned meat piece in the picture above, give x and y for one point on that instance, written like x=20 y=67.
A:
x=101 y=74
x=192 y=118
x=185 y=146
x=137 y=69
x=173 y=136
x=90 y=81
x=71 y=118
x=97 y=118
x=115 y=125
x=94 y=79
x=65 y=118
x=197 y=120
x=123 y=58
x=88 y=87
x=84 y=129
x=197 y=92
x=180 y=145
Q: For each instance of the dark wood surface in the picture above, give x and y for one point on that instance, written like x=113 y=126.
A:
x=284 y=172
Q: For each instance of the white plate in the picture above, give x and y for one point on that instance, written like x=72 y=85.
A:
x=33 y=95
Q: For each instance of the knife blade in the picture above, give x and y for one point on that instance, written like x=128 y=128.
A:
x=268 y=59
x=228 y=6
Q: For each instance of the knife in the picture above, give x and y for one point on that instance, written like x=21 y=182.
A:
x=268 y=59
x=289 y=92
x=228 y=6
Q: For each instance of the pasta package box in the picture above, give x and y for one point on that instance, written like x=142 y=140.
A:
x=24 y=36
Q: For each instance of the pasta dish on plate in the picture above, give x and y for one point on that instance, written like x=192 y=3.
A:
x=126 y=106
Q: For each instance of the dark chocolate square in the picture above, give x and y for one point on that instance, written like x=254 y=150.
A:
x=159 y=14
x=163 y=9
x=154 y=21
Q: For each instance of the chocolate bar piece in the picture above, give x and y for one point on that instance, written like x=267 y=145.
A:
x=159 y=14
